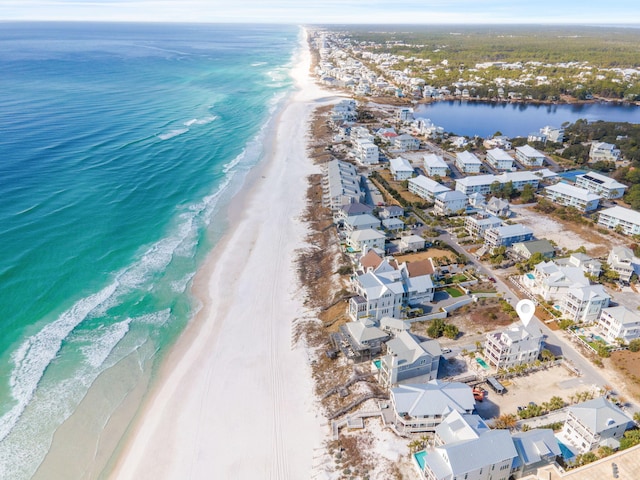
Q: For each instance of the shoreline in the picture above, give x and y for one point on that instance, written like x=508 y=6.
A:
x=233 y=378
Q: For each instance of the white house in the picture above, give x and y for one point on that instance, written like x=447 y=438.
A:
x=553 y=134
x=467 y=162
x=619 y=322
x=393 y=224
x=426 y=188
x=435 y=165
x=601 y=185
x=422 y=407
x=411 y=243
x=536 y=448
x=364 y=338
x=406 y=142
x=603 y=151
x=465 y=447
x=404 y=114
x=621 y=259
x=500 y=159
x=401 y=168
x=517 y=345
x=593 y=424
x=498 y=207
x=366 y=152
x=359 y=240
x=391 y=211
x=551 y=281
x=579 y=198
x=584 y=303
x=589 y=266
x=507 y=235
x=407 y=359
x=529 y=156
x=628 y=220
x=477 y=225
x=448 y=203
x=361 y=222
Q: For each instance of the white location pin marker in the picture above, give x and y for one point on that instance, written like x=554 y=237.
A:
x=525 y=310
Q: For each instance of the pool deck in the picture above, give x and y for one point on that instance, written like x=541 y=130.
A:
x=628 y=462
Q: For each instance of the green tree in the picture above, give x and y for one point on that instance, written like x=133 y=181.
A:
x=436 y=328
x=450 y=331
x=634 y=345
x=528 y=194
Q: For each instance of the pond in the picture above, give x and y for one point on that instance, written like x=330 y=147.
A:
x=471 y=118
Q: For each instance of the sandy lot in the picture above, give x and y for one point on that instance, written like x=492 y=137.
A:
x=564 y=234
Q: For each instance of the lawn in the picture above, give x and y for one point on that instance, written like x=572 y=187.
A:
x=454 y=292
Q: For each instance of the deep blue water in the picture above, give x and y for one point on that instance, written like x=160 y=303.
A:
x=120 y=144
x=517 y=119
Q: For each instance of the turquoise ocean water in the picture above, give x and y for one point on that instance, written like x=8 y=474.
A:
x=120 y=144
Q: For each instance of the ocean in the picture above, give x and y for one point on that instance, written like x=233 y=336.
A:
x=121 y=145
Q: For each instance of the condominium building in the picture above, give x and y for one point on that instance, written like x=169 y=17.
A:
x=477 y=225
x=568 y=195
x=507 y=235
x=448 y=203
x=467 y=162
x=426 y=188
x=628 y=220
x=435 y=165
x=529 y=156
x=601 y=185
x=400 y=168
x=499 y=159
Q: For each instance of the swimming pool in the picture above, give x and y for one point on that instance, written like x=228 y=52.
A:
x=419 y=456
x=482 y=363
x=572 y=174
x=377 y=364
x=530 y=276
x=564 y=451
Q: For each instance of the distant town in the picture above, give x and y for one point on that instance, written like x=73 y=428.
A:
x=427 y=243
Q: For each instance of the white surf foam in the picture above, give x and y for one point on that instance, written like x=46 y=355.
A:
x=200 y=121
x=104 y=341
x=172 y=133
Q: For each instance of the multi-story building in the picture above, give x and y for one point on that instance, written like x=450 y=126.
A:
x=360 y=240
x=526 y=249
x=628 y=220
x=408 y=358
x=449 y=203
x=366 y=152
x=601 y=185
x=552 y=282
x=603 y=151
x=584 y=303
x=592 y=424
x=519 y=344
x=406 y=142
x=529 y=156
x=499 y=159
x=482 y=183
x=477 y=225
x=619 y=323
x=426 y=188
x=621 y=260
x=590 y=266
x=553 y=134
x=400 y=168
x=465 y=447
x=467 y=162
x=435 y=165
x=342 y=185
x=507 y=235
x=422 y=407
x=361 y=222
x=579 y=198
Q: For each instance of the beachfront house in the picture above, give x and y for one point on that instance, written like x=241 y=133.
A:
x=601 y=185
x=350 y=210
x=507 y=235
x=519 y=344
x=622 y=261
x=593 y=424
x=360 y=340
x=529 y=156
x=426 y=188
x=603 y=151
x=393 y=225
x=409 y=358
x=366 y=152
x=421 y=407
x=619 y=323
x=361 y=222
x=476 y=225
x=499 y=159
x=400 y=168
x=359 y=240
x=390 y=211
x=434 y=165
x=465 y=447
x=450 y=203
x=620 y=218
x=579 y=198
x=467 y=162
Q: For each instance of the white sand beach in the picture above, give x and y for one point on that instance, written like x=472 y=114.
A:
x=234 y=399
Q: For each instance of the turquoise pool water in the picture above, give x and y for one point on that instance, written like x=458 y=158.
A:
x=564 y=451
x=572 y=174
x=377 y=364
x=482 y=363
x=419 y=456
x=530 y=276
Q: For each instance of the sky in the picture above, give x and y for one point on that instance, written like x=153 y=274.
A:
x=617 y=12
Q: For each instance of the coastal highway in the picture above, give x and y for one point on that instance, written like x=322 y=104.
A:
x=557 y=342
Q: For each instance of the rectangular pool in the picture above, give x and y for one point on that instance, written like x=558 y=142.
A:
x=419 y=456
x=564 y=451
x=482 y=363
